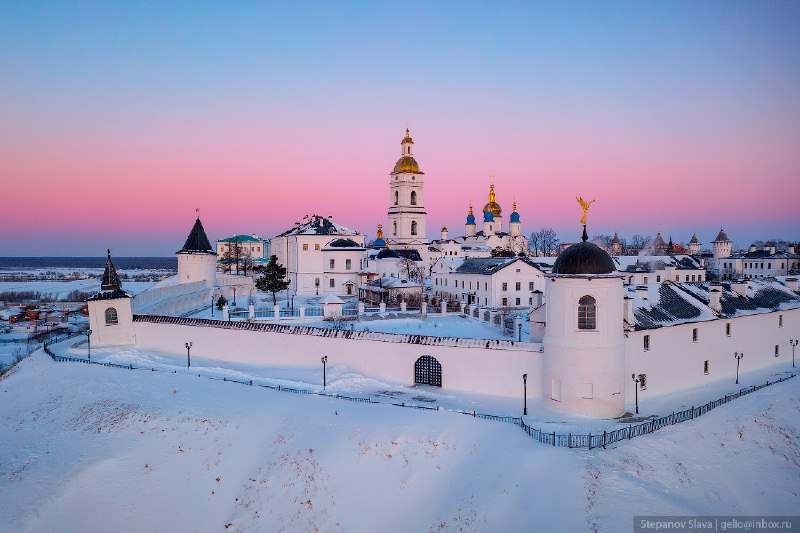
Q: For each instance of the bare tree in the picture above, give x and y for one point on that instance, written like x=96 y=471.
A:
x=639 y=243
x=603 y=241
x=410 y=269
x=544 y=242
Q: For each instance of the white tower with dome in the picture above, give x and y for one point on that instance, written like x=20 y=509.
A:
x=406 y=214
x=584 y=353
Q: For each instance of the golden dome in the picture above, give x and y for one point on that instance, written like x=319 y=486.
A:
x=492 y=205
x=406 y=164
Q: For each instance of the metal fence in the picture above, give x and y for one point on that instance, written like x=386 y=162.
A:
x=569 y=440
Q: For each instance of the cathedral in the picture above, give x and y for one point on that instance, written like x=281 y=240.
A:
x=407 y=219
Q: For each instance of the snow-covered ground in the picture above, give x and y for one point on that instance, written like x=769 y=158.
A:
x=60 y=289
x=91 y=448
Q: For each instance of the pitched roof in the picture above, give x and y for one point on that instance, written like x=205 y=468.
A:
x=490 y=265
x=318 y=225
x=197 y=241
x=242 y=238
x=658 y=305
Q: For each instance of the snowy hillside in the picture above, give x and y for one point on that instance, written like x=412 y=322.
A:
x=90 y=448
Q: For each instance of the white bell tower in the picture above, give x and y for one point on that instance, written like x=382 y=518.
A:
x=407 y=202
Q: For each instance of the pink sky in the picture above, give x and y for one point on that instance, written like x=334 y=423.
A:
x=117 y=124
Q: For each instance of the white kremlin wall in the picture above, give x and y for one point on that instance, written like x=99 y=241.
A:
x=675 y=362
x=467 y=364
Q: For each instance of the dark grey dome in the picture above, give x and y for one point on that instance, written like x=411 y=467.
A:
x=344 y=243
x=387 y=252
x=583 y=258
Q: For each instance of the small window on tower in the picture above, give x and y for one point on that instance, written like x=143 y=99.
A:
x=111 y=317
x=587 y=313
x=705 y=366
x=396 y=197
x=413 y=227
x=413 y=197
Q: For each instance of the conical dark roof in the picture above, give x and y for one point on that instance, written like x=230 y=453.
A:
x=721 y=236
x=110 y=286
x=110 y=280
x=197 y=241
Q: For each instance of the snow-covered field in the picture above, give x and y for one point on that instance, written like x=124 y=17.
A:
x=90 y=448
x=60 y=289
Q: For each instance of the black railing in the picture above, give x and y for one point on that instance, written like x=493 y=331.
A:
x=569 y=440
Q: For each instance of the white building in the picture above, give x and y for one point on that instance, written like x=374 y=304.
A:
x=240 y=248
x=492 y=282
x=314 y=266
x=641 y=270
x=754 y=263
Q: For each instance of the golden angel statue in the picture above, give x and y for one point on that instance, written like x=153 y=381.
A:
x=585 y=207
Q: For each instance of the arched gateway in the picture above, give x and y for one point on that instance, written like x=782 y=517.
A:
x=428 y=371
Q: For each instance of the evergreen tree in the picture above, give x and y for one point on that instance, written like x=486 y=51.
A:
x=221 y=301
x=272 y=278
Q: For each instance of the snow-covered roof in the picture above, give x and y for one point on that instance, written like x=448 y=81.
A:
x=331 y=298
x=651 y=263
x=6 y=314
x=391 y=282
x=490 y=265
x=319 y=225
x=242 y=238
x=664 y=304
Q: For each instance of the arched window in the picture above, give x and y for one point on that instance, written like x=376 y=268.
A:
x=428 y=371
x=413 y=197
x=396 y=197
x=413 y=227
x=111 y=317
x=587 y=313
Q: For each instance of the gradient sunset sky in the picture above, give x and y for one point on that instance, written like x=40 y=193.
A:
x=118 y=119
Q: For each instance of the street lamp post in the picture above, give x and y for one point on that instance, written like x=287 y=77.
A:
x=324 y=374
x=212 y=304
x=89 y=343
x=738 y=357
x=793 y=343
x=234 y=295
x=525 y=389
x=636 y=391
x=188 y=357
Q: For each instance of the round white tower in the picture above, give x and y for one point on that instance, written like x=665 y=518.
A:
x=584 y=355
x=694 y=245
x=489 y=224
x=514 y=226
x=197 y=261
x=721 y=245
x=469 y=228
x=407 y=201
